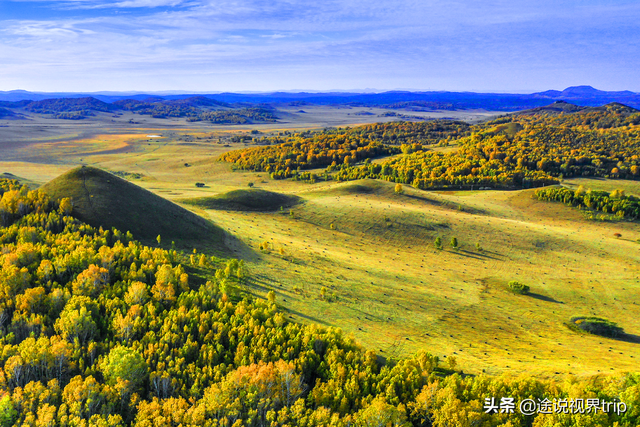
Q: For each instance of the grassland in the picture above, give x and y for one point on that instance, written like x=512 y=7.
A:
x=394 y=291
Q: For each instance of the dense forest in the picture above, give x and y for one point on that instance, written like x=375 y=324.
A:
x=198 y=109
x=525 y=150
x=284 y=155
x=97 y=329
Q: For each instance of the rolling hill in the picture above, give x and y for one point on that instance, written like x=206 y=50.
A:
x=245 y=200
x=102 y=199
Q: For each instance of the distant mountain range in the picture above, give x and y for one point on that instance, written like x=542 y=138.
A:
x=77 y=105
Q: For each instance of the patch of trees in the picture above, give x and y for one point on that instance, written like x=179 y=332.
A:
x=342 y=147
x=158 y=109
x=97 y=329
x=240 y=116
x=615 y=203
x=196 y=109
x=69 y=108
x=608 y=116
x=466 y=168
x=422 y=105
x=128 y=175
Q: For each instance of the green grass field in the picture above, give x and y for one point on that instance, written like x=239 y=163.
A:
x=373 y=250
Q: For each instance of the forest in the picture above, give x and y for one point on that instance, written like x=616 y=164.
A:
x=196 y=109
x=284 y=155
x=531 y=149
x=97 y=329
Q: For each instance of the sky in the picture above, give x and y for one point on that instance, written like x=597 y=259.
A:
x=209 y=46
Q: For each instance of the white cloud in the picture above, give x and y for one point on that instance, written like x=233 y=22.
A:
x=350 y=43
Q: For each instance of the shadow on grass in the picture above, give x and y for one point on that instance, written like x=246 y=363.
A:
x=424 y=199
x=634 y=339
x=469 y=254
x=306 y=316
x=257 y=284
x=543 y=298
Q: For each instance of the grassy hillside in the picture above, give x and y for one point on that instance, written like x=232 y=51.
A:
x=102 y=199
x=387 y=284
x=245 y=200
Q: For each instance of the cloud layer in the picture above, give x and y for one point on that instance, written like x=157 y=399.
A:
x=91 y=45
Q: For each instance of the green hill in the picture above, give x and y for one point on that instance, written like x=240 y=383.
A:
x=245 y=200
x=102 y=199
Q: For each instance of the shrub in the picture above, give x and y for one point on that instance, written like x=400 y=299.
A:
x=518 y=288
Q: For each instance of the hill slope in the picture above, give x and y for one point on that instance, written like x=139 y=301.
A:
x=245 y=200
x=102 y=199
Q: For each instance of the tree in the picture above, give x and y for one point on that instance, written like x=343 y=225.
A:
x=381 y=414
x=271 y=296
x=91 y=281
x=617 y=194
x=250 y=184
x=452 y=361
x=438 y=242
x=127 y=366
x=454 y=243
x=77 y=320
x=8 y=412
x=137 y=293
x=518 y=288
x=398 y=189
x=66 y=206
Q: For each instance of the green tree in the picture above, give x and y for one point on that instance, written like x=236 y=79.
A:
x=454 y=243
x=77 y=320
x=125 y=367
x=438 y=242
x=518 y=288
x=8 y=412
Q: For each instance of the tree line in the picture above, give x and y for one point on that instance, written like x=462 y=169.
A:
x=616 y=202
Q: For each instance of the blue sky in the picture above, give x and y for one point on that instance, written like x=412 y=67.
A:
x=248 y=45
